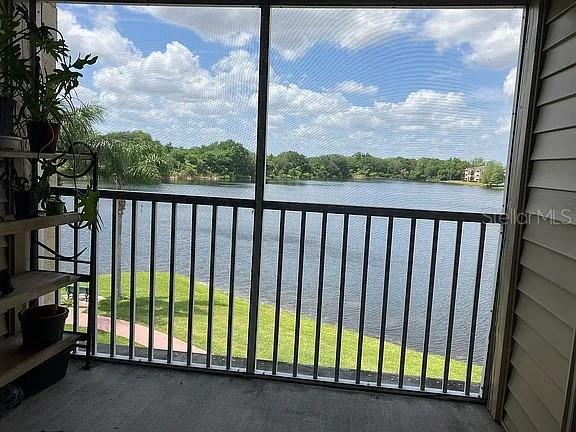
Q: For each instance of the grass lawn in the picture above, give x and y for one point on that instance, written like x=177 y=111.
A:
x=265 y=331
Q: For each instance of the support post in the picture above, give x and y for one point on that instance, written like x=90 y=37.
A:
x=259 y=186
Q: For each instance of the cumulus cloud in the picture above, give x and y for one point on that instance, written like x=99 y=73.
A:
x=172 y=96
x=354 y=87
x=509 y=86
x=103 y=40
x=293 y=32
x=487 y=37
x=176 y=97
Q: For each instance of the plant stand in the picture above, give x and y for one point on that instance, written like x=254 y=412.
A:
x=30 y=283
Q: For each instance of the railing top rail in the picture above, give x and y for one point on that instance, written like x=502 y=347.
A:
x=497 y=218
x=386 y=212
x=165 y=197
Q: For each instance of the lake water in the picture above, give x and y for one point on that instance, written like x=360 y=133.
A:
x=385 y=193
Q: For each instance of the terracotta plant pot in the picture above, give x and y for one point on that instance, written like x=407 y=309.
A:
x=43 y=136
x=42 y=325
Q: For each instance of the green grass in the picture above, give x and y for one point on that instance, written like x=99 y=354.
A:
x=265 y=329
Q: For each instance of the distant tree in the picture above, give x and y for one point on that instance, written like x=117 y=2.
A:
x=493 y=174
x=290 y=165
x=329 y=167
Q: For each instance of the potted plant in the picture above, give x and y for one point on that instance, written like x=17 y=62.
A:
x=44 y=94
x=25 y=196
x=42 y=325
x=31 y=192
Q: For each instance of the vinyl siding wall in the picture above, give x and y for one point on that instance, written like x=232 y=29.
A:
x=545 y=314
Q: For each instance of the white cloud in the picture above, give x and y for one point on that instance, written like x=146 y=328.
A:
x=354 y=87
x=509 y=85
x=293 y=31
x=426 y=122
x=503 y=125
x=169 y=94
x=487 y=37
x=174 y=96
x=105 y=41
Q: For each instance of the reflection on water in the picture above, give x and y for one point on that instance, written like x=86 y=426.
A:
x=402 y=194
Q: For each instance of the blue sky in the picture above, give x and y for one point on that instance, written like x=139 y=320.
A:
x=413 y=83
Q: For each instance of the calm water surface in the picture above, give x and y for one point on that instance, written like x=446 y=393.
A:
x=387 y=193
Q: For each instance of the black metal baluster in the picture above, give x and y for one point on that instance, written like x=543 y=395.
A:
x=231 y=291
x=132 y=342
x=192 y=285
x=363 y=298
x=341 y=297
x=57 y=260
x=113 y=293
x=452 y=307
x=152 y=275
x=320 y=294
x=431 y=282
x=278 y=291
x=299 y=294
x=407 y=303
x=211 y=289
x=172 y=282
x=475 y=304
x=76 y=315
x=385 y=292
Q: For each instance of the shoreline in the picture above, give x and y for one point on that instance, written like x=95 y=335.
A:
x=288 y=181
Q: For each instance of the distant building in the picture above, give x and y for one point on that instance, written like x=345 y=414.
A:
x=474 y=174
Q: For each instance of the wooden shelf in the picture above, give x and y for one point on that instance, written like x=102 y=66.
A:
x=31 y=285
x=16 y=360
x=36 y=223
x=48 y=156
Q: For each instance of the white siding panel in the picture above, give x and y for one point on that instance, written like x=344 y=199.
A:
x=558 y=144
x=551 y=395
x=559 y=115
x=518 y=416
x=551 y=234
x=557 y=8
x=553 y=298
x=555 y=331
x=558 y=175
x=545 y=309
x=558 y=86
x=555 y=267
x=542 y=353
x=562 y=28
x=557 y=205
x=535 y=409
x=560 y=57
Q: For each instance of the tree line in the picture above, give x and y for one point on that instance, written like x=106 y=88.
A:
x=154 y=162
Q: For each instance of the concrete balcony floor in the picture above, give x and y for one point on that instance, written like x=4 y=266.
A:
x=120 y=397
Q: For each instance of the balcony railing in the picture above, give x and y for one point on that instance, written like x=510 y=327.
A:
x=377 y=297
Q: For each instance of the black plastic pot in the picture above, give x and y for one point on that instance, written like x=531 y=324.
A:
x=43 y=376
x=25 y=204
x=7 y=107
x=43 y=136
x=42 y=325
